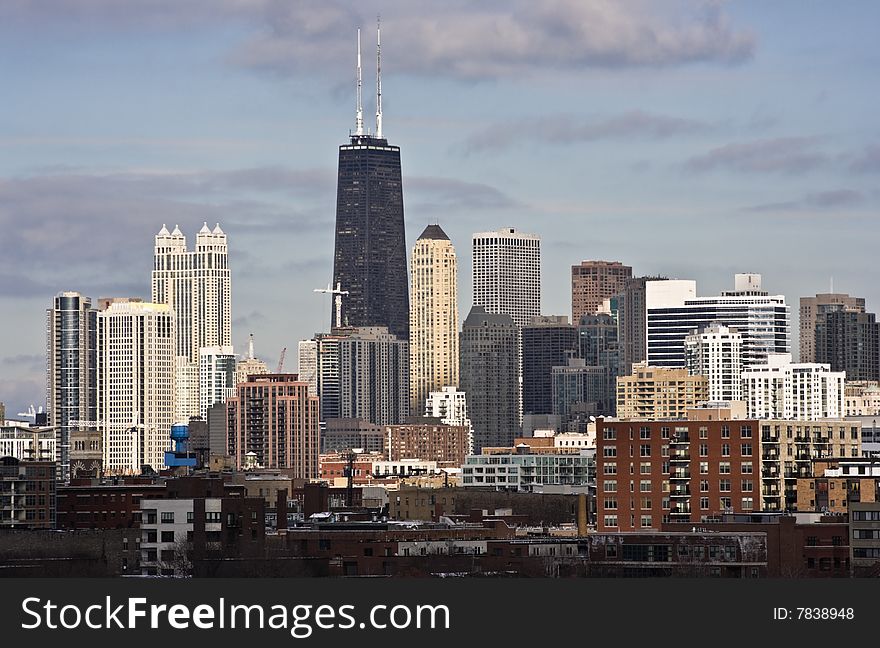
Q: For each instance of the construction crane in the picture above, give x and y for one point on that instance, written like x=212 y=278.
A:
x=338 y=293
x=281 y=360
x=32 y=412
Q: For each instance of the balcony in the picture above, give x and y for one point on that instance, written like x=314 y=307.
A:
x=770 y=473
x=680 y=490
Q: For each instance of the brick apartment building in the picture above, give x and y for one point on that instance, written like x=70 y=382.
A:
x=448 y=445
x=27 y=494
x=113 y=503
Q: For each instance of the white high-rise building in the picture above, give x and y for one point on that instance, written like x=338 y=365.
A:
x=136 y=393
x=781 y=389
x=507 y=274
x=216 y=376
x=196 y=285
x=674 y=311
x=450 y=406
x=433 y=315
x=716 y=353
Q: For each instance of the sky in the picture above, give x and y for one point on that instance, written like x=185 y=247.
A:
x=693 y=139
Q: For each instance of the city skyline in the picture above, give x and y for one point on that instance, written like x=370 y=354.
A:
x=82 y=192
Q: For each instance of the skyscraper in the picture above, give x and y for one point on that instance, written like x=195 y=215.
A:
x=848 y=341
x=136 y=398
x=811 y=308
x=547 y=341
x=196 y=285
x=490 y=376
x=72 y=364
x=632 y=318
x=370 y=249
x=782 y=389
x=433 y=316
x=592 y=282
x=216 y=377
x=716 y=353
x=507 y=274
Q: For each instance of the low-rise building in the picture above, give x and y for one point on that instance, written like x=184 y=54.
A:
x=27 y=494
x=526 y=472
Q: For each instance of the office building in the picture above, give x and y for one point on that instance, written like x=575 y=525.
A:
x=674 y=312
x=781 y=389
x=848 y=341
x=490 y=376
x=341 y=435
x=716 y=353
x=592 y=283
x=433 y=317
x=580 y=391
x=370 y=248
x=632 y=320
x=72 y=366
x=216 y=377
x=654 y=393
x=507 y=274
x=136 y=378
x=274 y=421
x=811 y=308
x=196 y=285
x=547 y=341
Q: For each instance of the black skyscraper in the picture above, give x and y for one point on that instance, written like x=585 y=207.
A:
x=370 y=253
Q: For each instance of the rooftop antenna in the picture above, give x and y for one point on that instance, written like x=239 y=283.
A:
x=832 y=284
x=359 y=118
x=250 y=355
x=378 y=78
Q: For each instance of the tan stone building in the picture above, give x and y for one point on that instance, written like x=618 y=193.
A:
x=836 y=485
x=592 y=282
x=654 y=393
x=433 y=317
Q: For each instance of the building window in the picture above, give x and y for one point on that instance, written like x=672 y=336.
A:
x=746 y=468
x=745 y=432
x=609 y=451
x=725 y=449
x=644 y=450
x=704 y=503
x=747 y=503
x=704 y=467
x=746 y=485
x=610 y=468
x=610 y=486
x=167 y=517
x=724 y=467
x=746 y=449
x=704 y=486
x=724 y=485
x=725 y=431
x=644 y=433
x=610 y=520
x=704 y=449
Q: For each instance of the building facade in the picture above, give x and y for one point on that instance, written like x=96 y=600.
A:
x=782 y=389
x=71 y=370
x=848 y=341
x=216 y=377
x=136 y=378
x=581 y=391
x=716 y=353
x=527 y=472
x=507 y=274
x=448 y=445
x=593 y=282
x=433 y=318
x=547 y=341
x=811 y=308
x=659 y=393
x=27 y=494
x=490 y=376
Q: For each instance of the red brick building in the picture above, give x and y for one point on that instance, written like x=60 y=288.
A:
x=104 y=504
x=654 y=472
x=448 y=445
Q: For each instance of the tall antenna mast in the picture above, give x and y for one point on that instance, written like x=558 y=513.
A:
x=378 y=78
x=359 y=118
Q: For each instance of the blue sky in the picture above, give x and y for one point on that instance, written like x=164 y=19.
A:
x=692 y=139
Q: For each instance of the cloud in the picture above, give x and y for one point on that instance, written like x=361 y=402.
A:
x=448 y=195
x=823 y=200
x=789 y=155
x=569 y=129
x=253 y=317
x=470 y=39
x=867 y=161
x=24 y=360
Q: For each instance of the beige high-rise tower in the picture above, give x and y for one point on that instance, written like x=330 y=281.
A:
x=433 y=317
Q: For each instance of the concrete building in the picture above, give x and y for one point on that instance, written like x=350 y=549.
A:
x=216 y=376
x=27 y=494
x=136 y=378
x=632 y=318
x=861 y=398
x=27 y=443
x=580 y=391
x=448 y=445
x=781 y=389
x=528 y=472
x=490 y=376
x=849 y=342
x=593 y=282
x=275 y=421
x=342 y=434
x=653 y=472
x=449 y=405
x=72 y=370
x=789 y=449
x=196 y=285
x=507 y=274
x=674 y=311
x=433 y=316
x=716 y=353
x=360 y=373
x=547 y=341
x=811 y=308
x=659 y=393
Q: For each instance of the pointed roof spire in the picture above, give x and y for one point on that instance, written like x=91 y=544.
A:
x=434 y=232
x=217 y=230
x=378 y=78
x=176 y=231
x=250 y=355
x=163 y=231
x=205 y=229
x=359 y=115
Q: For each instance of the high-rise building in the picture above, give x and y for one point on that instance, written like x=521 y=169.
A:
x=580 y=390
x=811 y=307
x=196 y=285
x=370 y=248
x=655 y=393
x=216 y=376
x=593 y=282
x=674 y=311
x=249 y=365
x=632 y=322
x=449 y=405
x=136 y=395
x=781 y=389
x=360 y=373
x=599 y=346
x=849 y=341
x=433 y=316
x=72 y=371
x=507 y=274
x=273 y=423
x=547 y=341
x=490 y=376
x=716 y=353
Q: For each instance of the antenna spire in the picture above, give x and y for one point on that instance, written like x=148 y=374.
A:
x=378 y=78
x=359 y=118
